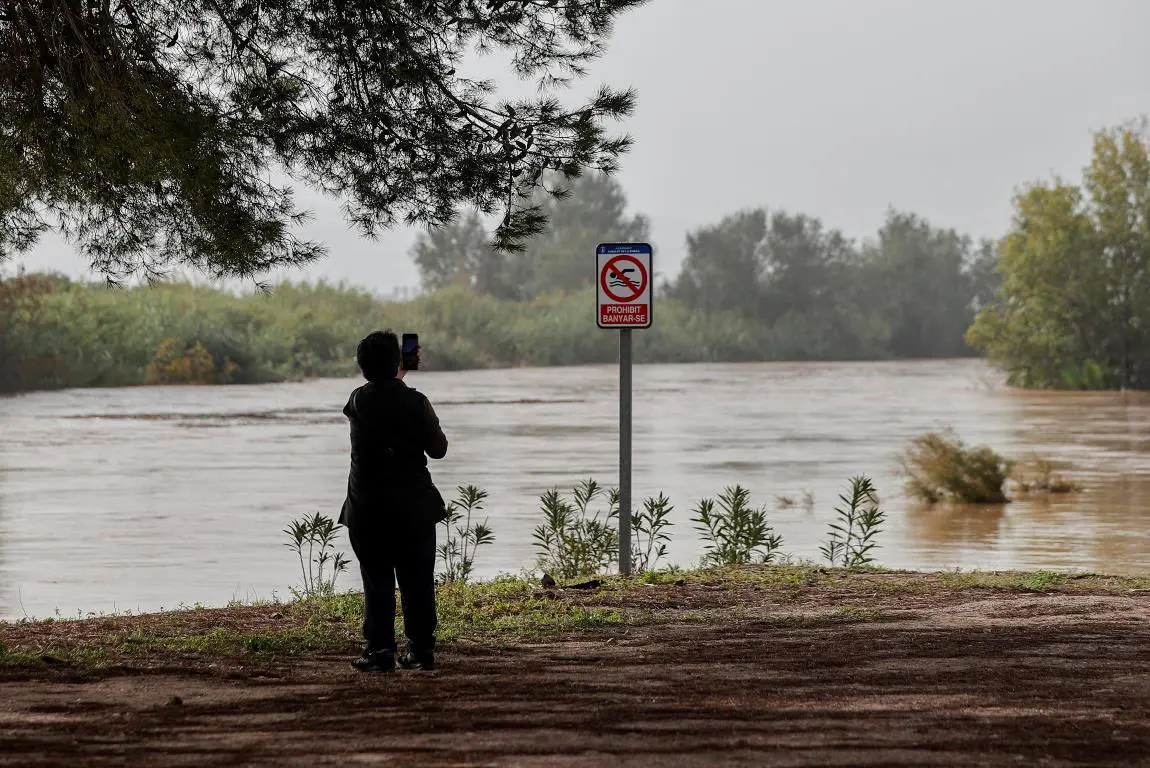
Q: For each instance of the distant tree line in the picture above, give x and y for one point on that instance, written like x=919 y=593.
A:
x=1063 y=300
x=910 y=292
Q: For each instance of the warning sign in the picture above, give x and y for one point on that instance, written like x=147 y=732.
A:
x=624 y=285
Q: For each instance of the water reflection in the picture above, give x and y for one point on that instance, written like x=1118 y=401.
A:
x=942 y=526
x=180 y=493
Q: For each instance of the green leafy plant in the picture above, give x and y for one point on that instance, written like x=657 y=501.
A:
x=573 y=540
x=734 y=531
x=649 y=534
x=940 y=467
x=860 y=519
x=317 y=535
x=463 y=536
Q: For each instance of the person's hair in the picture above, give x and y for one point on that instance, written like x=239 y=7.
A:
x=378 y=356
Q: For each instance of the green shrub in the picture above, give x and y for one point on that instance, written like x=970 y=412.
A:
x=649 y=534
x=940 y=467
x=573 y=540
x=462 y=535
x=734 y=532
x=859 y=521
x=317 y=535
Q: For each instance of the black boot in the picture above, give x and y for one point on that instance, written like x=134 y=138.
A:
x=375 y=661
x=424 y=660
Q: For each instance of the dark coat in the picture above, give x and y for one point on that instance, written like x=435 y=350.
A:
x=394 y=430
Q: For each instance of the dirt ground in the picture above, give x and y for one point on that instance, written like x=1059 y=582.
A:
x=970 y=678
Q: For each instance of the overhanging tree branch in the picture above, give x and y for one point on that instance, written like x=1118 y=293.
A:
x=145 y=131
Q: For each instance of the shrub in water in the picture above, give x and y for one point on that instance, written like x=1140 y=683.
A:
x=463 y=537
x=852 y=535
x=735 y=532
x=573 y=540
x=940 y=467
x=1038 y=475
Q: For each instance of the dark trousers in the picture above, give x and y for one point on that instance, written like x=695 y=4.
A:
x=403 y=554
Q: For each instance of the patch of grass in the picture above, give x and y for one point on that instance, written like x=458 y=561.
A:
x=938 y=466
x=1043 y=581
x=505 y=610
x=48 y=658
x=735 y=575
x=659 y=577
x=512 y=609
x=694 y=617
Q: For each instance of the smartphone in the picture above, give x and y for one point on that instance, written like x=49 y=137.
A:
x=409 y=349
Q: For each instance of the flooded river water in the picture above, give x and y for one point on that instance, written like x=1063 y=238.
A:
x=149 y=497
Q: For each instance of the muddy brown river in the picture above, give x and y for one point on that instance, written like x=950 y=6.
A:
x=142 y=498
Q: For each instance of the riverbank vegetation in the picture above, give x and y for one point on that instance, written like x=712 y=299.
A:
x=57 y=333
x=506 y=610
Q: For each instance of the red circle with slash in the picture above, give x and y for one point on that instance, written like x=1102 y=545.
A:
x=638 y=288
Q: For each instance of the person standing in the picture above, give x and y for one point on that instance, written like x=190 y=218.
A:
x=392 y=506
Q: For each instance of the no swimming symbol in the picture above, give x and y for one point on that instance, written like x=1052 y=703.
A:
x=620 y=281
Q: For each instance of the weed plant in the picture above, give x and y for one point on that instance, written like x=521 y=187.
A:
x=649 y=534
x=574 y=539
x=858 y=522
x=317 y=535
x=734 y=532
x=463 y=535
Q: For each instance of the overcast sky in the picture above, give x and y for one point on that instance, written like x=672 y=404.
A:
x=837 y=108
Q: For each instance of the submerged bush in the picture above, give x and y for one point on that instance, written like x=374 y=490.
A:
x=1038 y=475
x=940 y=467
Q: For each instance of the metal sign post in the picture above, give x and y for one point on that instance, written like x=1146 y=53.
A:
x=625 y=451
x=623 y=275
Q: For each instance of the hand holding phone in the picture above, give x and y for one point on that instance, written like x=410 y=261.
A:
x=409 y=351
